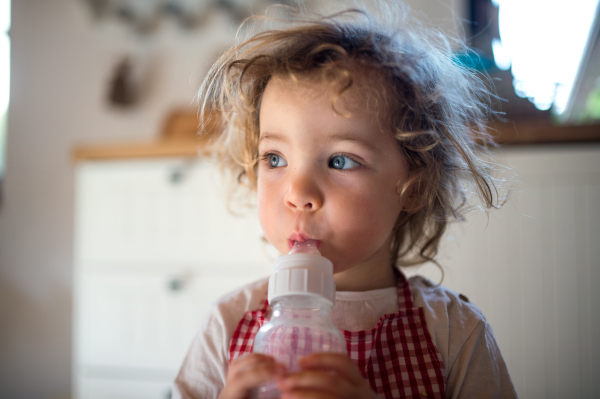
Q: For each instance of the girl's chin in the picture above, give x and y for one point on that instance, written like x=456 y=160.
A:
x=339 y=267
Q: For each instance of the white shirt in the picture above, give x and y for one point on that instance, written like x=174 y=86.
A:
x=473 y=363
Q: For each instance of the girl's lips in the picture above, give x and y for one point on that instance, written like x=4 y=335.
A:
x=301 y=238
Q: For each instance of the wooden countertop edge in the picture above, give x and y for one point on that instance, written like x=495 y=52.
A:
x=188 y=148
x=505 y=134
x=526 y=133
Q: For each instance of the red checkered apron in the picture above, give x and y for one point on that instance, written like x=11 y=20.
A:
x=397 y=356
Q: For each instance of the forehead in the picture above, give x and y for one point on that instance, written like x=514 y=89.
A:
x=299 y=114
x=365 y=97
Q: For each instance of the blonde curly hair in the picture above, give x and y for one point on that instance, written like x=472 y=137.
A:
x=438 y=108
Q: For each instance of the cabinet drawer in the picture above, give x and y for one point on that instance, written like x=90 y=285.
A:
x=149 y=319
x=101 y=388
x=160 y=210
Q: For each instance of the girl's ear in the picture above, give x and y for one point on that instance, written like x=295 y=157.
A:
x=414 y=193
x=412 y=204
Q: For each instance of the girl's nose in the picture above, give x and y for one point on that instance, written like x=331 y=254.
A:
x=303 y=194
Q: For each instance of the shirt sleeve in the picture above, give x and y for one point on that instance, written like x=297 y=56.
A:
x=204 y=369
x=479 y=370
x=202 y=374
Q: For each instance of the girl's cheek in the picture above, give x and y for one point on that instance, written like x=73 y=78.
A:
x=270 y=222
x=262 y=194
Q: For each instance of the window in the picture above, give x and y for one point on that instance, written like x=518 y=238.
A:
x=4 y=79
x=543 y=43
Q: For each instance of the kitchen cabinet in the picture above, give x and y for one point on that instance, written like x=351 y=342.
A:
x=155 y=246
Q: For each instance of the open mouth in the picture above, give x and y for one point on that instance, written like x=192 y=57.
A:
x=307 y=247
x=304 y=239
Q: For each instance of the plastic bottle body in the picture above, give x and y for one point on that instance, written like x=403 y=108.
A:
x=299 y=325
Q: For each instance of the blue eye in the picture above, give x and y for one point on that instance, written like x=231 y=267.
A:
x=275 y=161
x=342 y=162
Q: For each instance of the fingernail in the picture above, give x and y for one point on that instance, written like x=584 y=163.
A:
x=283 y=384
x=304 y=362
x=280 y=369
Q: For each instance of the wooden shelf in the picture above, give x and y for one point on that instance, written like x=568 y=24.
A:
x=543 y=132
x=180 y=138
x=161 y=148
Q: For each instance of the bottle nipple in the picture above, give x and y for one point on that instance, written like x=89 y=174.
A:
x=305 y=247
x=303 y=271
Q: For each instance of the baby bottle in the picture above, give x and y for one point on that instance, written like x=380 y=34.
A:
x=301 y=294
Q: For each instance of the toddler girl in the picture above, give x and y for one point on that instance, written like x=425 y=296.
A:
x=361 y=137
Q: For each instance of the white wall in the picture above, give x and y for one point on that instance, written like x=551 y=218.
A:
x=533 y=268
x=61 y=63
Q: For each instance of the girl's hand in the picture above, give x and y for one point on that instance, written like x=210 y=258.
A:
x=249 y=372
x=326 y=376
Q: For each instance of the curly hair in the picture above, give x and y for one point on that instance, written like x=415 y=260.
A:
x=438 y=108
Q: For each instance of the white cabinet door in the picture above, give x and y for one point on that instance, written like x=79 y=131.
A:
x=108 y=388
x=160 y=210
x=155 y=247
x=135 y=319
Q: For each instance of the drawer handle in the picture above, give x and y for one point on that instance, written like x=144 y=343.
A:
x=177 y=284
x=178 y=174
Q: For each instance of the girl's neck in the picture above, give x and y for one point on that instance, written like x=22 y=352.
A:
x=366 y=277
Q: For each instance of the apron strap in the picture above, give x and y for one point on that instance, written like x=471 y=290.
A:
x=405 y=301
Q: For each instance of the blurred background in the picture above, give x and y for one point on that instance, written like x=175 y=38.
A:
x=115 y=237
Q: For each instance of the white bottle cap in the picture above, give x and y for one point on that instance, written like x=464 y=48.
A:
x=302 y=274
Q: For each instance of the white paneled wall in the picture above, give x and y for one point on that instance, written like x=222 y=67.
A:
x=155 y=245
x=533 y=268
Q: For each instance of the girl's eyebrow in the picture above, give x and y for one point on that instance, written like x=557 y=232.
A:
x=352 y=138
x=332 y=138
x=272 y=137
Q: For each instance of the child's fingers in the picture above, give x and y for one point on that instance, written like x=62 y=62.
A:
x=340 y=363
x=316 y=382
x=250 y=361
x=258 y=373
x=248 y=373
x=307 y=394
x=253 y=377
x=326 y=375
